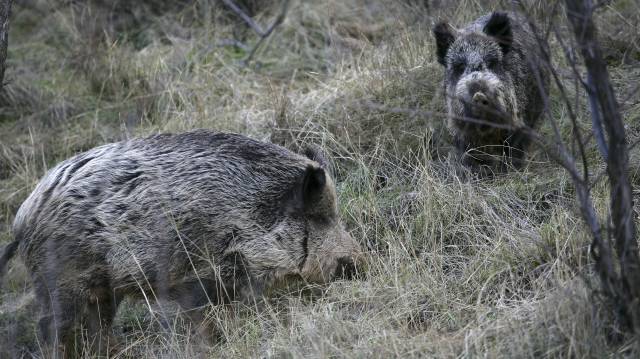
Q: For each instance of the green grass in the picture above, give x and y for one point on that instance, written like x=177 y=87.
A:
x=456 y=267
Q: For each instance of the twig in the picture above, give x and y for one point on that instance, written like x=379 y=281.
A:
x=279 y=20
x=5 y=14
x=264 y=34
x=603 y=173
x=244 y=16
x=631 y=95
x=572 y=115
x=596 y=118
x=624 y=289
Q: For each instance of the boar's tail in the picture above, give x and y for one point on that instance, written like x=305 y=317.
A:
x=7 y=253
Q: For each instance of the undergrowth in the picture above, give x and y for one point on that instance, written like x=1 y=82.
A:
x=456 y=266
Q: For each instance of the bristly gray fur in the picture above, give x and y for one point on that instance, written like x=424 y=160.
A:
x=497 y=56
x=198 y=217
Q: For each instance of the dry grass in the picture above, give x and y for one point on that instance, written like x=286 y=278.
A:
x=456 y=267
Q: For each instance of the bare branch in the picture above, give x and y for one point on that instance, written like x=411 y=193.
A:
x=626 y=288
x=5 y=13
x=246 y=18
x=264 y=34
x=596 y=120
x=232 y=42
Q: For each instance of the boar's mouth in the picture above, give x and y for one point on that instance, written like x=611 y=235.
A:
x=483 y=118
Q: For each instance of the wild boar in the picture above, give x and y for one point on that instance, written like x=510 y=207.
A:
x=494 y=86
x=198 y=218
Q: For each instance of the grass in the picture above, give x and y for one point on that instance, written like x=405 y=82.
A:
x=456 y=267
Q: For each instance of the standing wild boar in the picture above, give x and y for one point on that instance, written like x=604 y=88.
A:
x=197 y=218
x=494 y=86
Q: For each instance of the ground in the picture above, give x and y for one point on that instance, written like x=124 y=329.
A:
x=456 y=266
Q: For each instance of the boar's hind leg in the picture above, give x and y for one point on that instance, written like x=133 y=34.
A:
x=55 y=327
x=47 y=334
x=62 y=303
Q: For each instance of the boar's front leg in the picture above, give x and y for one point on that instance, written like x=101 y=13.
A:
x=229 y=281
x=101 y=310
x=516 y=146
x=462 y=148
x=194 y=295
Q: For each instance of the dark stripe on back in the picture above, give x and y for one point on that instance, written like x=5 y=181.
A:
x=127 y=177
x=47 y=193
x=76 y=166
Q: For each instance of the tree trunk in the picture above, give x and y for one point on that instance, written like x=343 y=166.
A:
x=5 y=12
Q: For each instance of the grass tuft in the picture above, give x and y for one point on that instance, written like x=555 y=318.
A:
x=456 y=267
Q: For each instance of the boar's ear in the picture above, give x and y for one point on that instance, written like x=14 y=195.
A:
x=499 y=27
x=306 y=196
x=445 y=36
x=314 y=153
x=313 y=185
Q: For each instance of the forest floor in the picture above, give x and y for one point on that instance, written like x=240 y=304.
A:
x=456 y=266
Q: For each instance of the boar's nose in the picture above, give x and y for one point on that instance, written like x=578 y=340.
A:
x=479 y=98
x=346 y=269
x=477 y=92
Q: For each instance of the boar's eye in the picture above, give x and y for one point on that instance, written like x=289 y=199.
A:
x=457 y=67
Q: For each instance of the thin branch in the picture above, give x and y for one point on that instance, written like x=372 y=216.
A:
x=601 y=250
x=626 y=287
x=596 y=119
x=252 y=24
x=597 y=178
x=546 y=60
x=5 y=14
x=279 y=20
x=572 y=115
x=232 y=42
x=631 y=94
x=264 y=34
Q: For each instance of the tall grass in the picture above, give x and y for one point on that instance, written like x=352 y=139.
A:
x=456 y=267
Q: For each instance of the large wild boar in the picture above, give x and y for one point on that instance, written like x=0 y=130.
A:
x=197 y=218
x=494 y=86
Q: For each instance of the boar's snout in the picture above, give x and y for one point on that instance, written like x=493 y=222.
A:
x=478 y=93
x=480 y=99
x=351 y=266
x=339 y=257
